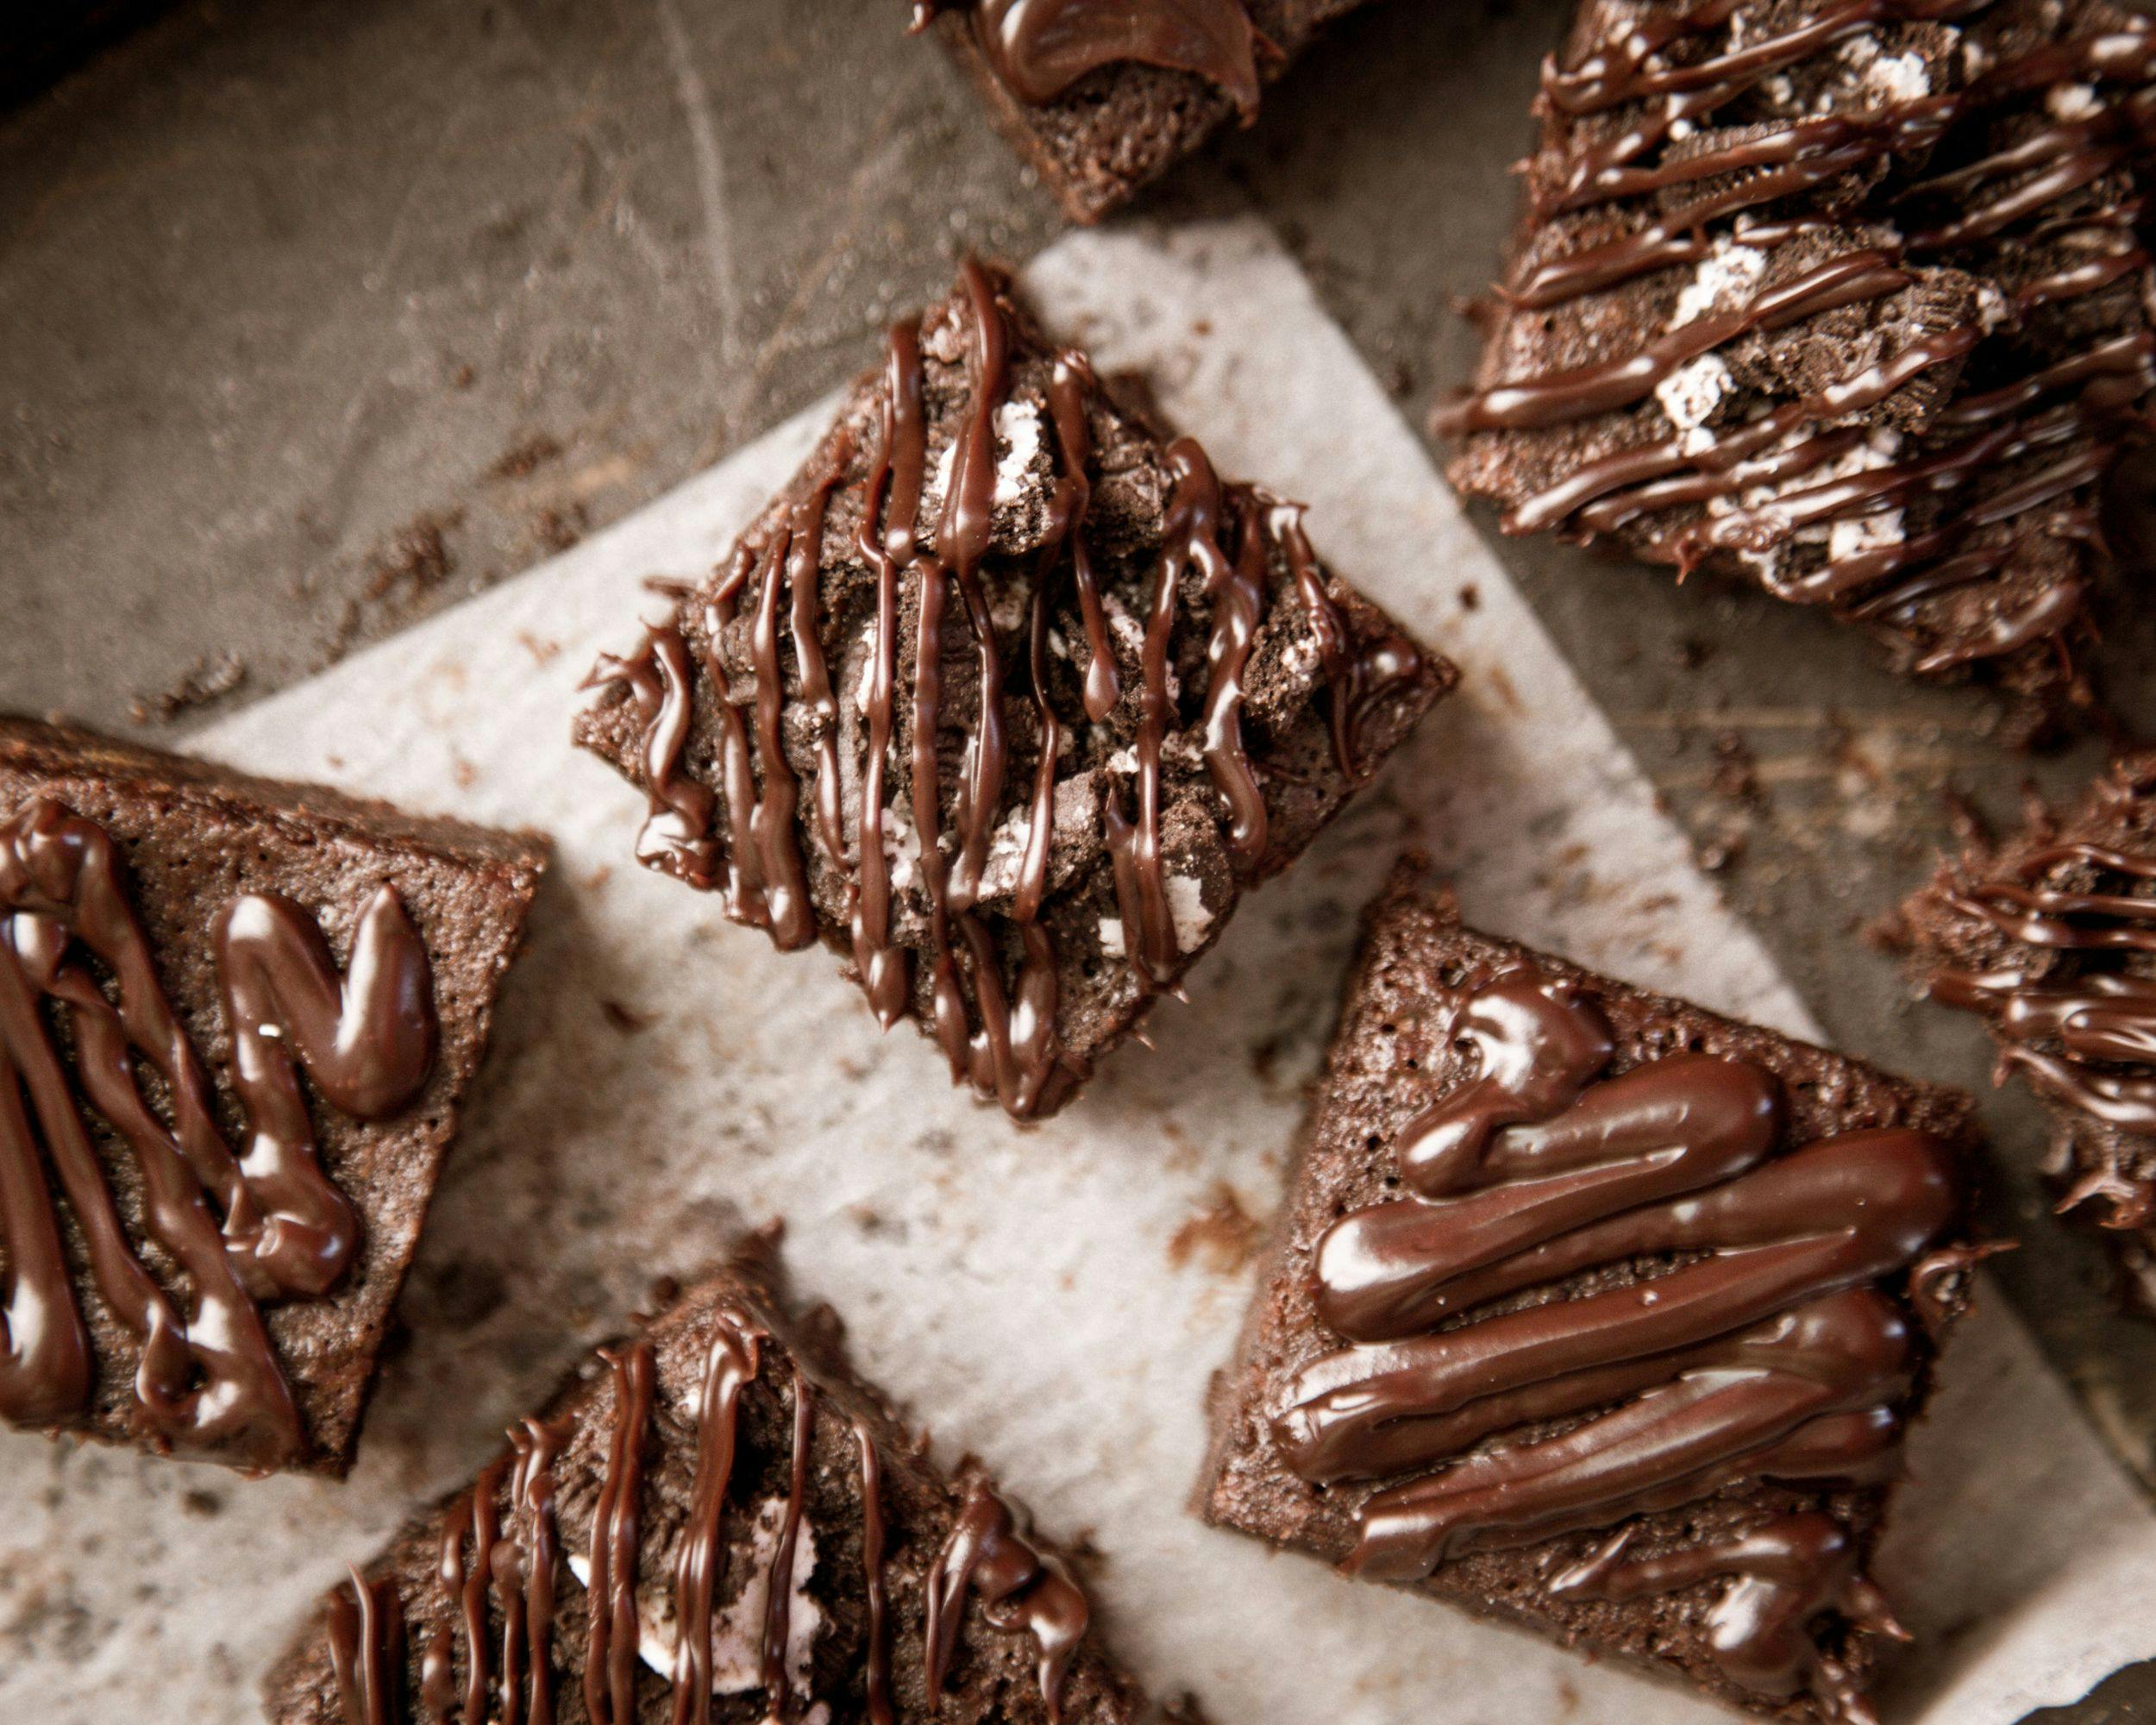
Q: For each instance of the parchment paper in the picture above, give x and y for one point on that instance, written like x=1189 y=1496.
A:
x=1024 y=1290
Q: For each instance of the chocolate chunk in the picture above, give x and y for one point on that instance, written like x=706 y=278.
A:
x=1103 y=97
x=2051 y=937
x=1141 y=693
x=236 y=1020
x=716 y=1520
x=1595 y=1312
x=1846 y=303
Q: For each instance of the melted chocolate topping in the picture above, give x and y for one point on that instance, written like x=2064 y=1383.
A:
x=734 y=1358
x=1039 y=48
x=1021 y=1586
x=993 y=1012
x=1673 y=83
x=609 y=1654
x=2082 y=1036
x=208 y=1380
x=777 y=1597
x=1770 y=1351
x=367 y=1649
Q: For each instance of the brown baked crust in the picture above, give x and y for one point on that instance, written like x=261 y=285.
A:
x=193 y=836
x=1285 y=712
x=1121 y=127
x=2105 y=1168
x=1381 y=1072
x=2008 y=592
x=994 y=1676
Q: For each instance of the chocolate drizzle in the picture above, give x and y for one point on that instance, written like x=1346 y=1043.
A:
x=734 y=1359
x=609 y=1649
x=2081 y=1030
x=876 y=1659
x=528 y=1640
x=1039 y=48
x=1663 y=117
x=777 y=1597
x=1020 y=1587
x=367 y=1650
x=988 y=988
x=1769 y=1350
x=207 y=1381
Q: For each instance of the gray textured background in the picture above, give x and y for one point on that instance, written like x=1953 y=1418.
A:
x=320 y=316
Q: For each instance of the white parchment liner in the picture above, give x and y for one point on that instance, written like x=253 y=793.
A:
x=1016 y=1287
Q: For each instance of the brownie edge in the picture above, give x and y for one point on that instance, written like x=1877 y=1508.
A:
x=1486 y=1185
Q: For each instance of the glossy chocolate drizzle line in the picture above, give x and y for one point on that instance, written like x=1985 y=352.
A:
x=514 y=1568
x=1021 y=1586
x=367 y=1650
x=210 y=1381
x=876 y=1659
x=1786 y=1572
x=609 y=1651
x=895 y=478
x=2072 y=1033
x=732 y=1363
x=1039 y=48
x=1774 y=1355
x=778 y=1595
x=1678 y=93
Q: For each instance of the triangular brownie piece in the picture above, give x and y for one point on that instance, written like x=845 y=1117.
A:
x=2051 y=937
x=1600 y=1314
x=237 y=1019
x=1848 y=305
x=1142 y=693
x=718 y=1521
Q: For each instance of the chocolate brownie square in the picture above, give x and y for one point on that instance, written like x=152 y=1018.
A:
x=1849 y=304
x=2051 y=937
x=1597 y=1313
x=1103 y=99
x=1008 y=699
x=717 y=1519
x=236 y=1020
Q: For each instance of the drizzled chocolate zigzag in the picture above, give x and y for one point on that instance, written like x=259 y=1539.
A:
x=243 y=1228
x=1850 y=300
x=831 y=741
x=663 y=1609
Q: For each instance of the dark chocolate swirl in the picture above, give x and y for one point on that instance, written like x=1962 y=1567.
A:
x=1768 y=1349
x=264 y=1225
x=991 y=978
x=1039 y=48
